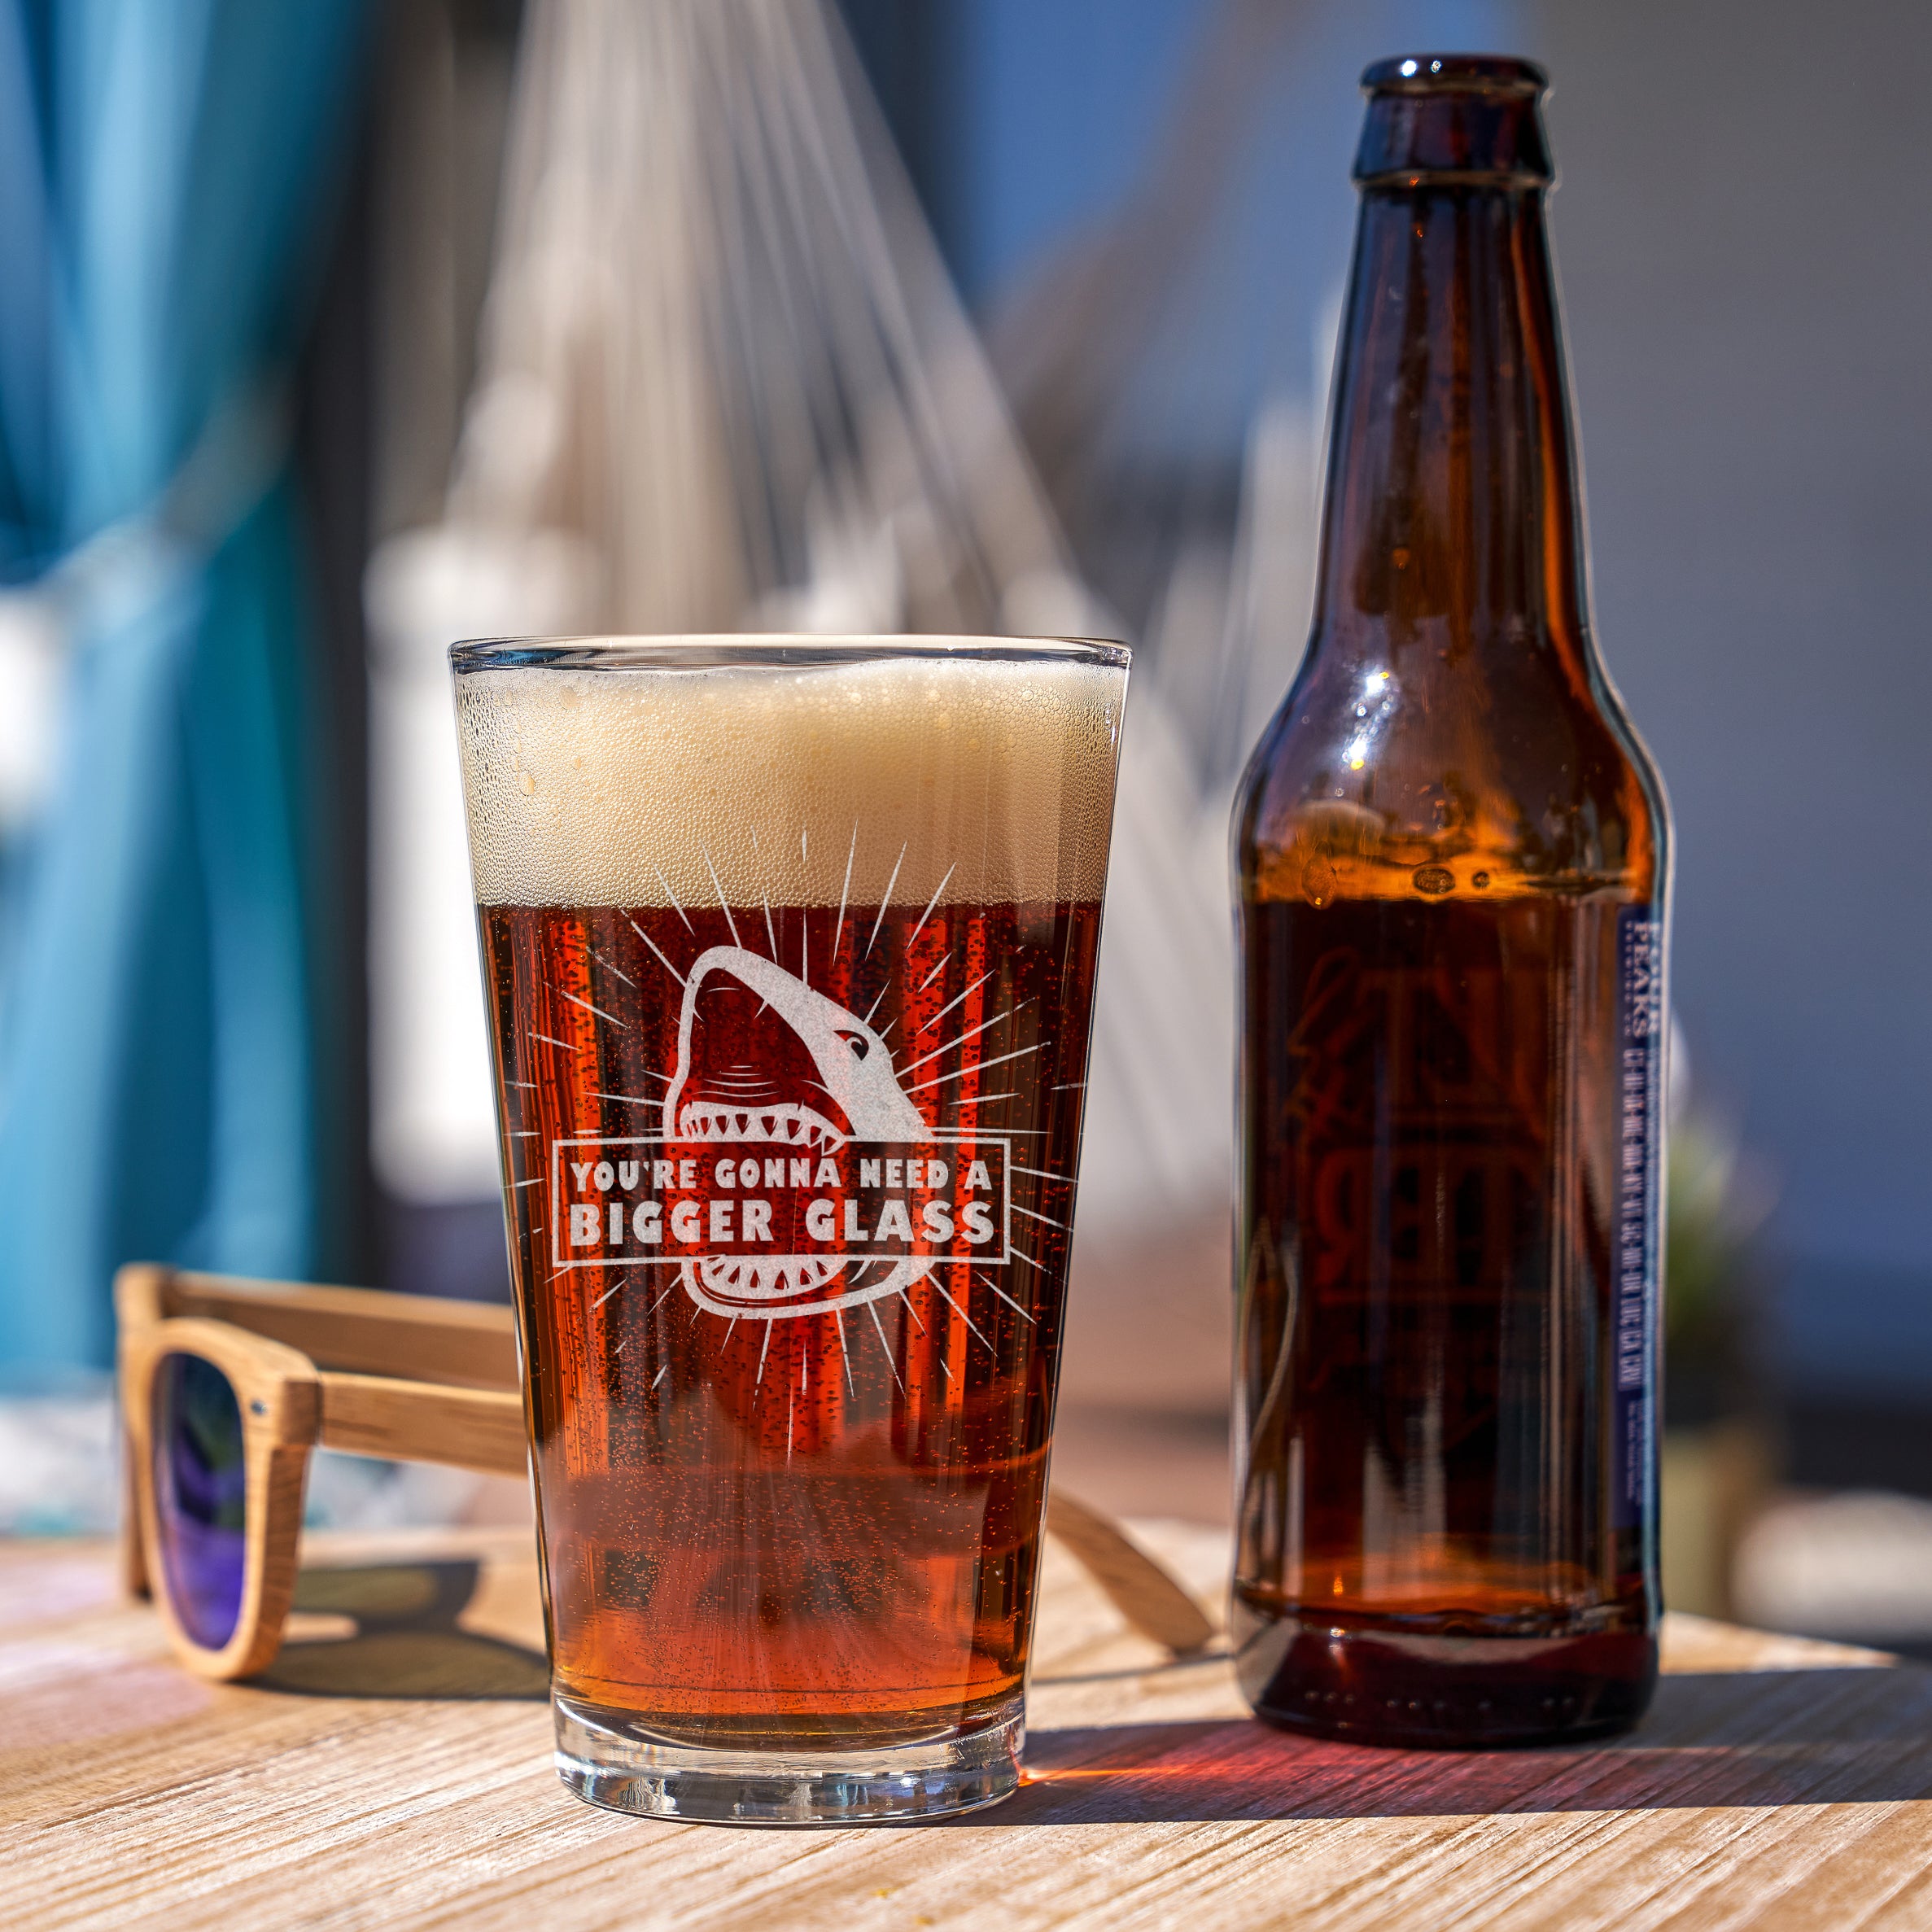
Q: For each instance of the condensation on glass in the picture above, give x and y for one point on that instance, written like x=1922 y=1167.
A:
x=789 y=946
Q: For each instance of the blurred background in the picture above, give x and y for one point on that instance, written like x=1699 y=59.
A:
x=332 y=332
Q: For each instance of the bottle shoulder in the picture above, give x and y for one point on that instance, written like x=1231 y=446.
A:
x=1388 y=773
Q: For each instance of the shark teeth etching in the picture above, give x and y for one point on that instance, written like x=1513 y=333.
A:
x=808 y=1046
x=790 y=1124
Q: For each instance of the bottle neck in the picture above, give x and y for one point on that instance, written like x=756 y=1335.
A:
x=1452 y=509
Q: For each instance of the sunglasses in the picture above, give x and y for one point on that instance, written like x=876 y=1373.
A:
x=222 y=1399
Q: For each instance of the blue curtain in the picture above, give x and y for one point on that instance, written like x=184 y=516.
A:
x=165 y=175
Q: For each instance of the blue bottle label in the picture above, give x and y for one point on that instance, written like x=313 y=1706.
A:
x=1641 y=1024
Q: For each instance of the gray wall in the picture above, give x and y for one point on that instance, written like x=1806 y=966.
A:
x=1744 y=236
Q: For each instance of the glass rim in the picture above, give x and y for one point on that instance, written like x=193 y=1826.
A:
x=771 y=650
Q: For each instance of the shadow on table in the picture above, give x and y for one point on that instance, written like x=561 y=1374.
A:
x=400 y=1638
x=1772 y=1737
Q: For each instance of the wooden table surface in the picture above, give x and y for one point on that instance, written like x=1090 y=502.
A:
x=394 y=1769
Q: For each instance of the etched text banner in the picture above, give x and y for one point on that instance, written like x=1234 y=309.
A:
x=643 y=1201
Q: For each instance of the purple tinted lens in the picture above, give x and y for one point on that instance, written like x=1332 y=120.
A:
x=201 y=1493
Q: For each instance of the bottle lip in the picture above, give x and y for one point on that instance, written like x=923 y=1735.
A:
x=1454 y=121
x=1502 y=74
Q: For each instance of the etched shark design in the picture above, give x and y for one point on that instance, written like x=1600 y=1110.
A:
x=821 y=1077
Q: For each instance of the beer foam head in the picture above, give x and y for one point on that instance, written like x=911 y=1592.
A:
x=971 y=775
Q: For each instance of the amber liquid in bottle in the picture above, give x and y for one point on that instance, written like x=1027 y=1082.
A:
x=1453 y=886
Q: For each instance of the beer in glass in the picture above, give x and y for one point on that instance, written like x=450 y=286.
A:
x=790 y=948
x=1453 y=880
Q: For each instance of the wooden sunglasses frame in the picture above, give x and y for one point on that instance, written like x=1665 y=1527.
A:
x=412 y=1377
x=419 y=1379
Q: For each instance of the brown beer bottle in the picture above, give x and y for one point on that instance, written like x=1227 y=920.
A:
x=1453 y=882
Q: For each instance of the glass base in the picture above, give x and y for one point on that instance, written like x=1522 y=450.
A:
x=608 y=1761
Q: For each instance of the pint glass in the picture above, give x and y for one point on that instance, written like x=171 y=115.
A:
x=790 y=947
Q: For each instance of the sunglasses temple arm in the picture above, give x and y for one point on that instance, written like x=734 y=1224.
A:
x=480 y=1429
x=1138 y=1587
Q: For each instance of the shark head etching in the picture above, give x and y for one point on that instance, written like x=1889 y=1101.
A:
x=762 y=1057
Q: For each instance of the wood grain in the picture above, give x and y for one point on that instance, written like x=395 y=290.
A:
x=367 y=1330
x=467 y=1428
x=393 y=1768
